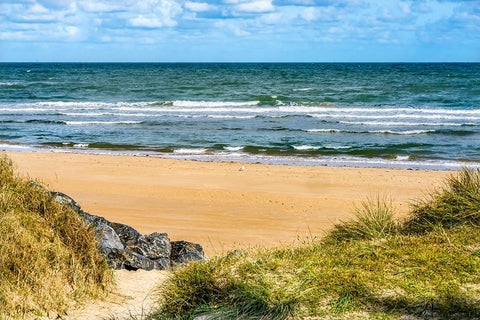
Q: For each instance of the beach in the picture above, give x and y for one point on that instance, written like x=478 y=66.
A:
x=217 y=204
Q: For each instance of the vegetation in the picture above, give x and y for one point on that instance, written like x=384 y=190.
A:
x=48 y=255
x=374 y=219
x=371 y=267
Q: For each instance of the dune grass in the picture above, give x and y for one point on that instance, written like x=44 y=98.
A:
x=456 y=203
x=48 y=256
x=428 y=266
x=374 y=219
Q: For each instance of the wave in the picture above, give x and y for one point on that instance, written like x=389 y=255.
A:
x=190 y=103
x=411 y=124
x=230 y=117
x=392 y=132
x=302 y=89
x=81 y=123
x=190 y=151
x=394 y=116
x=233 y=108
x=306 y=147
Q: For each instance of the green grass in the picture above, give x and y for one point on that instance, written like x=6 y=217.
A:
x=374 y=219
x=456 y=203
x=48 y=256
x=369 y=267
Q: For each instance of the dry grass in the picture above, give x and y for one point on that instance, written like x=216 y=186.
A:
x=48 y=255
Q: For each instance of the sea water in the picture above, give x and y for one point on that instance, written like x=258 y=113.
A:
x=344 y=114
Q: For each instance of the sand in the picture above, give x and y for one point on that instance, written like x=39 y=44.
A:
x=215 y=203
x=134 y=297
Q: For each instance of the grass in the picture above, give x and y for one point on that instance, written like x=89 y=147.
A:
x=427 y=266
x=48 y=256
x=374 y=219
x=456 y=203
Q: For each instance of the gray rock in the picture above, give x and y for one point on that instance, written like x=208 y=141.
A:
x=126 y=259
x=162 y=264
x=62 y=198
x=153 y=246
x=125 y=248
x=128 y=235
x=184 y=251
x=107 y=238
x=93 y=220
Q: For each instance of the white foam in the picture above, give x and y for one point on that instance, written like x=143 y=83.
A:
x=229 y=117
x=336 y=147
x=83 y=114
x=406 y=124
x=306 y=147
x=80 y=145
x=323 y=130
x=408 y=132
x=80 y=123
x=189 y=103
x=233 y=148
x=190 y=151
x=303 y=89
x=393 y=116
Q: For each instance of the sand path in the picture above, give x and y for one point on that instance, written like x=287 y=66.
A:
x=133 y=298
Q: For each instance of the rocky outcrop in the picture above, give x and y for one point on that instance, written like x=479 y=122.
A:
x=125 y=248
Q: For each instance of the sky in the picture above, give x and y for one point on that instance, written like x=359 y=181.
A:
x=240 y=31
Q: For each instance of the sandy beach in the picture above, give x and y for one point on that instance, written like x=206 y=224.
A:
x=215 y=203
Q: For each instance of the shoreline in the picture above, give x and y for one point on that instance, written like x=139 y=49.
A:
x=206 y=155
x=215 y=203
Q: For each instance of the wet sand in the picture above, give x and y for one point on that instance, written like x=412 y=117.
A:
x=215 y=203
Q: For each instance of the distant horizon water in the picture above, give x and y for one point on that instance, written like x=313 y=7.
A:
x=396 y=115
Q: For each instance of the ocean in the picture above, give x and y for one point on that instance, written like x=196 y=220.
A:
x=394 y=115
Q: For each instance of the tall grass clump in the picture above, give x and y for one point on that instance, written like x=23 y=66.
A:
x=48 y=256
x=374 y=219
x=454 y=204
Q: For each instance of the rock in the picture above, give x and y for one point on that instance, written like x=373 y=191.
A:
x=93 y=220
x=62 y=198
x=184 y=251
x=127 y=234
x=125 y=248
x=107 y=238
x=126 y=259
x=153 y=246
x=162 y=264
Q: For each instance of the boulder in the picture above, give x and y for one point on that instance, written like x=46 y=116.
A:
x=128 y=235
x=162 y=264
x=153 y=246
x=62 y=198
x=184 y=251
x=107 y=238
x=125 y=248
x=126 y=259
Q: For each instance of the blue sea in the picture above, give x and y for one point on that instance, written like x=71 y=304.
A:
x=394 y=115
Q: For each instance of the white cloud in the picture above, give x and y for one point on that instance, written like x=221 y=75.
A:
x=199 y=6
x=157 y=14
x=309 y=14
x=256 y=6
x=150 y=21
x=96 y=6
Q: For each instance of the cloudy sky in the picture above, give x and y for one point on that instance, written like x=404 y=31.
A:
x=240 y=30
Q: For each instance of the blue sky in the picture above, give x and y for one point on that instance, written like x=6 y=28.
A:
x=239 y=30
